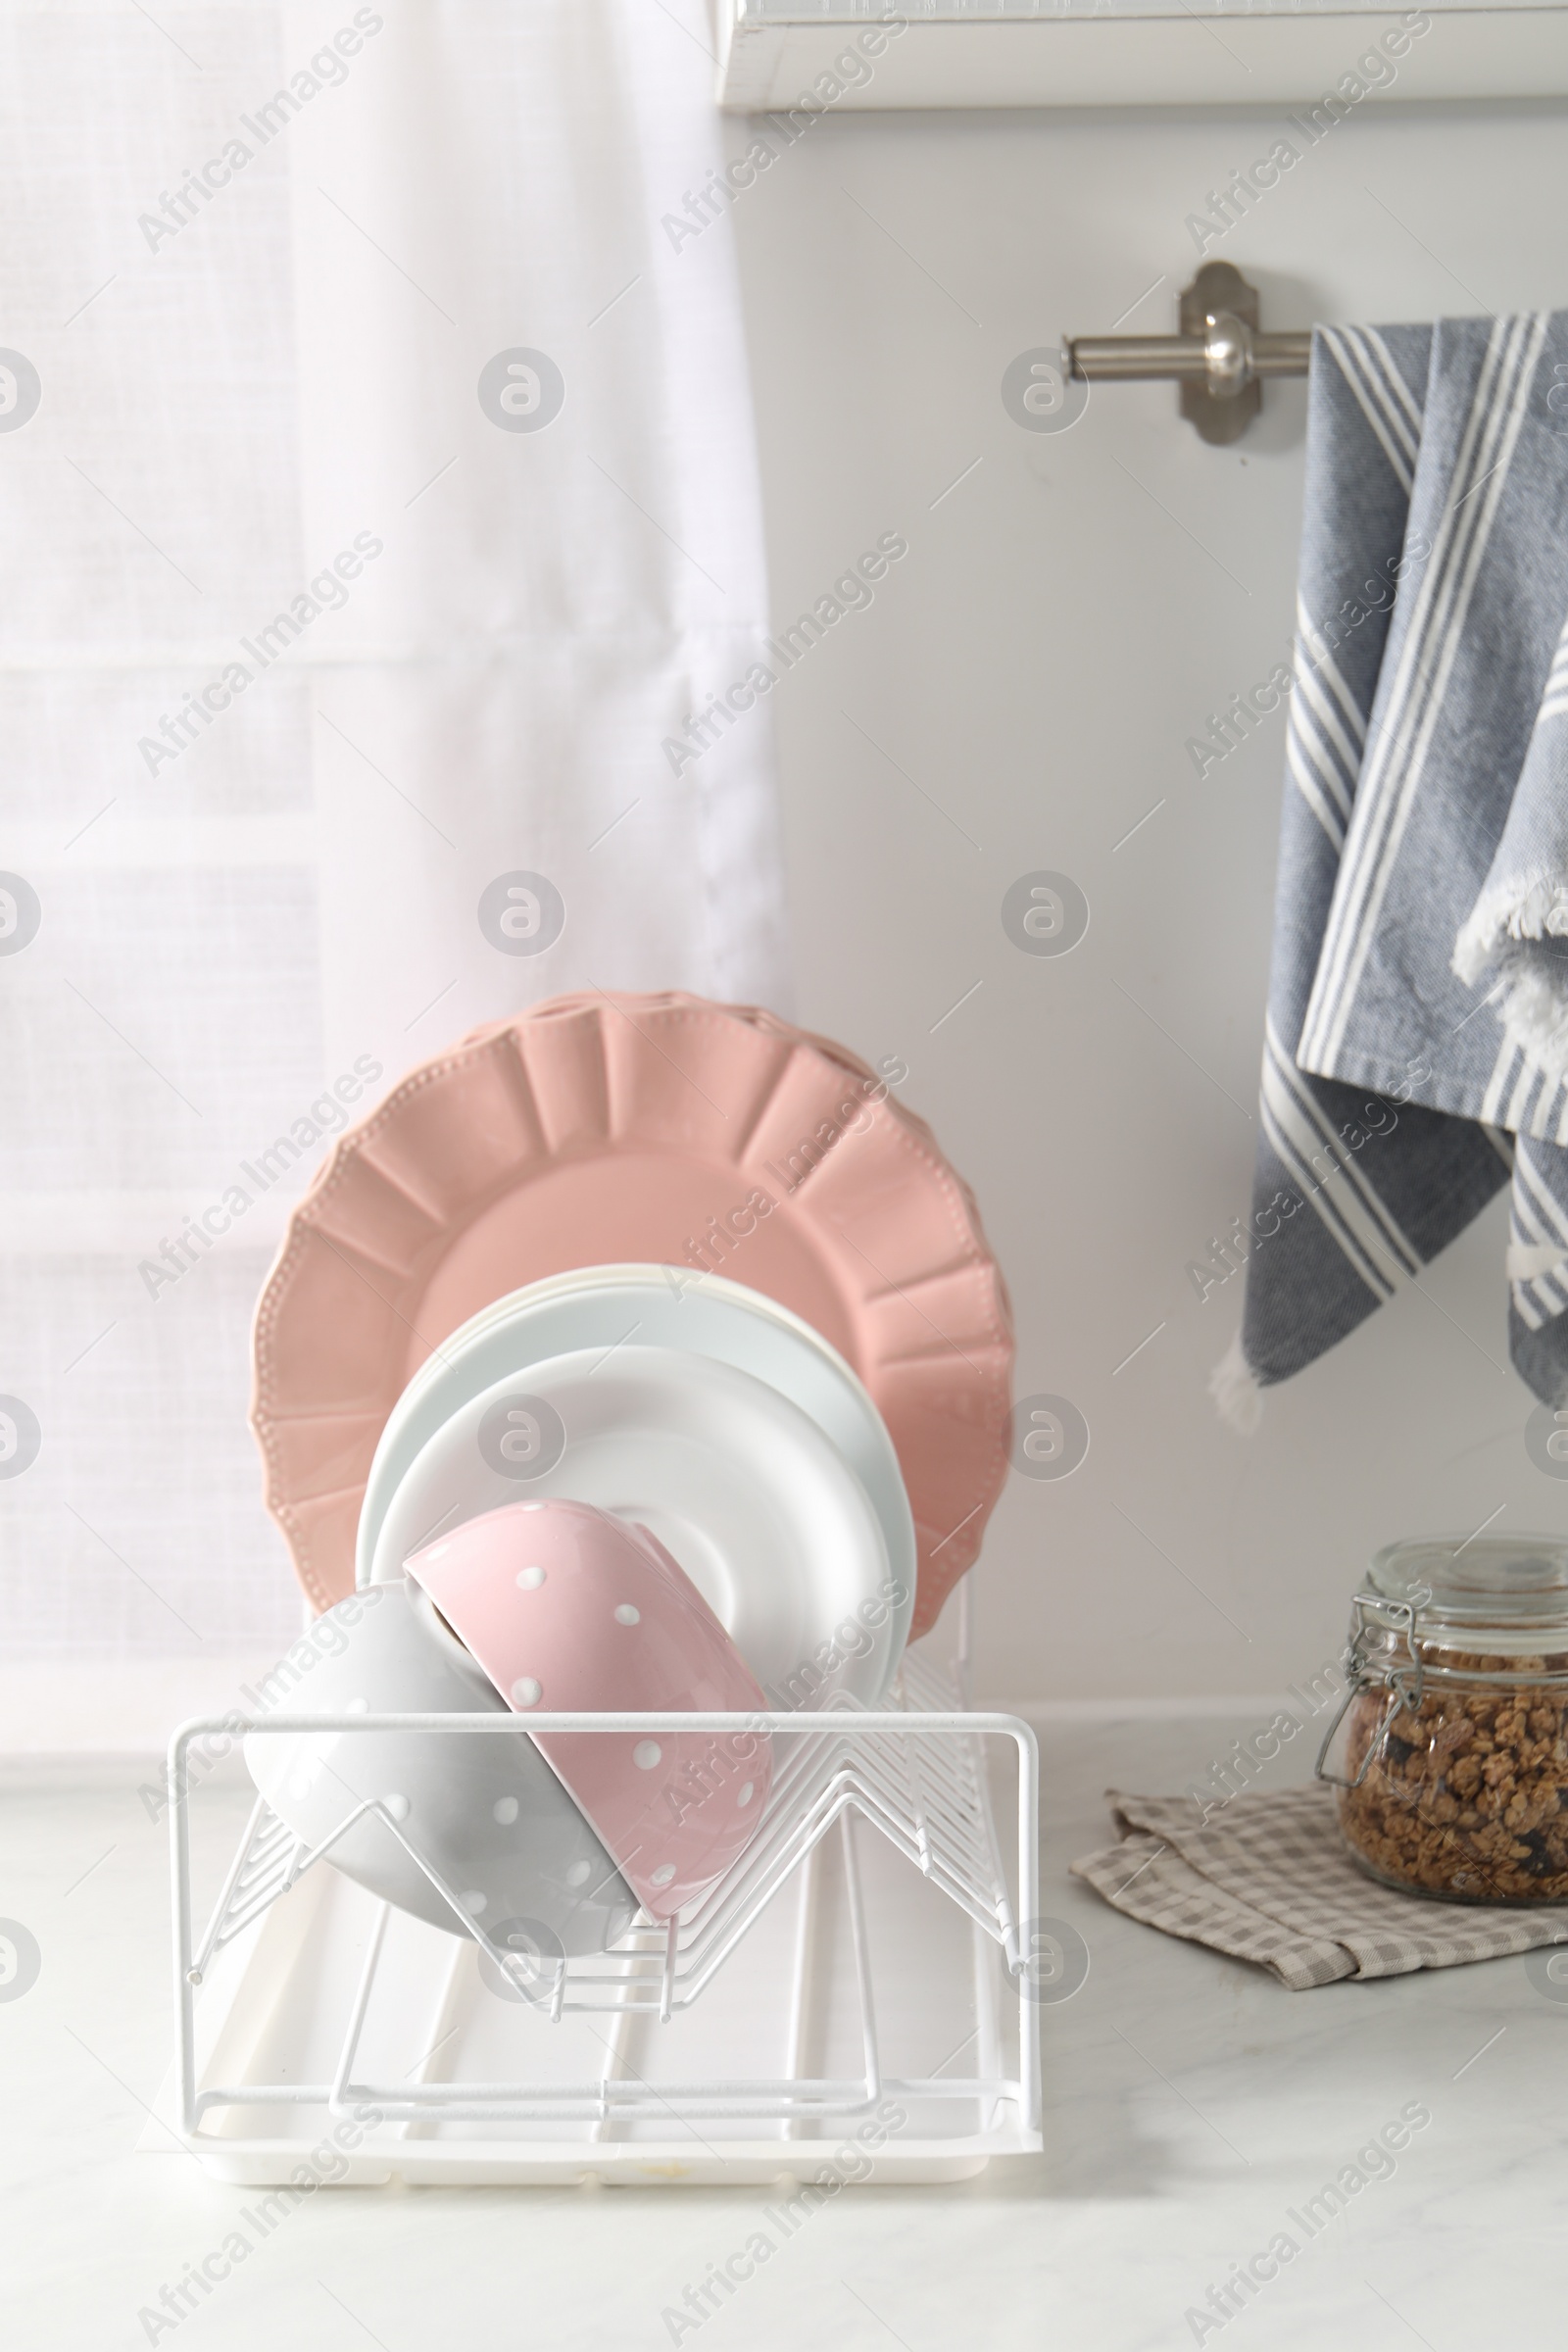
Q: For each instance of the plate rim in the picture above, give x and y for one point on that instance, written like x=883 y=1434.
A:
x=632 y=1274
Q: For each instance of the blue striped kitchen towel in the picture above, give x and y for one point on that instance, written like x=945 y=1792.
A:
x=1416 y=1042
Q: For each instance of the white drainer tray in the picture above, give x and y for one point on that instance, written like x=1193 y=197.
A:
x=857 y=1976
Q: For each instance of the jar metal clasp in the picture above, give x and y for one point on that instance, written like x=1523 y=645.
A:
x=1404 y=1680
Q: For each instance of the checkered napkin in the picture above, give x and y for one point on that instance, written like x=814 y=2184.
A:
x=1270 y=1881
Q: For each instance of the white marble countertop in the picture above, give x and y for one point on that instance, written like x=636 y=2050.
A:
x=1190 y=2103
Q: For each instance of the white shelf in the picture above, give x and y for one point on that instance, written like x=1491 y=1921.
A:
x=1132 y=53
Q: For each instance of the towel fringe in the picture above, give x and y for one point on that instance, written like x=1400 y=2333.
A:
x=1499 y=933
x=1237 y=1392
x=1533 y=1015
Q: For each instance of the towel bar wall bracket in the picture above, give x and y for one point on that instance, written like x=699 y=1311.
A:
x=1219 y=359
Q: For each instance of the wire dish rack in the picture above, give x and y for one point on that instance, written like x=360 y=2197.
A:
x=861 y=1974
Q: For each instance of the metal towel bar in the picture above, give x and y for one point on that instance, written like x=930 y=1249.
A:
x=1219 y=359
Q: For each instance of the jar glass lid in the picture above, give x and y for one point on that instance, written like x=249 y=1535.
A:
x=1512 y=1590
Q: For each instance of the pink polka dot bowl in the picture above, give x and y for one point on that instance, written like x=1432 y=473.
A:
x=569 y=1609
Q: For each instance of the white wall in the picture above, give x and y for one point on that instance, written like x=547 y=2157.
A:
x=1064 y=620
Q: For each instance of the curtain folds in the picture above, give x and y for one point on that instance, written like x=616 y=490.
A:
x=389 y=500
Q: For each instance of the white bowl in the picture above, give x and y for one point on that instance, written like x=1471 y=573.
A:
x=483 y=1808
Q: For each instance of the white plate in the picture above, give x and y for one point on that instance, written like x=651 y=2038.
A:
x=756 y=1505
x=655 y=1306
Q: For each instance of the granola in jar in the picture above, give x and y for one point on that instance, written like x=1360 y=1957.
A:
x=1454 y=1776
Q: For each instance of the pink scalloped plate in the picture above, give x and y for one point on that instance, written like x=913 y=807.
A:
x=670 y=1130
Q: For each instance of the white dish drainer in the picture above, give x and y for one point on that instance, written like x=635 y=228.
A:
x=866 y=1942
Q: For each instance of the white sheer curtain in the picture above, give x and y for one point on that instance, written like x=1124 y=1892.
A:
x=258 y=847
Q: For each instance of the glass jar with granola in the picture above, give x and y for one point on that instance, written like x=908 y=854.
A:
x=1451 y=1750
